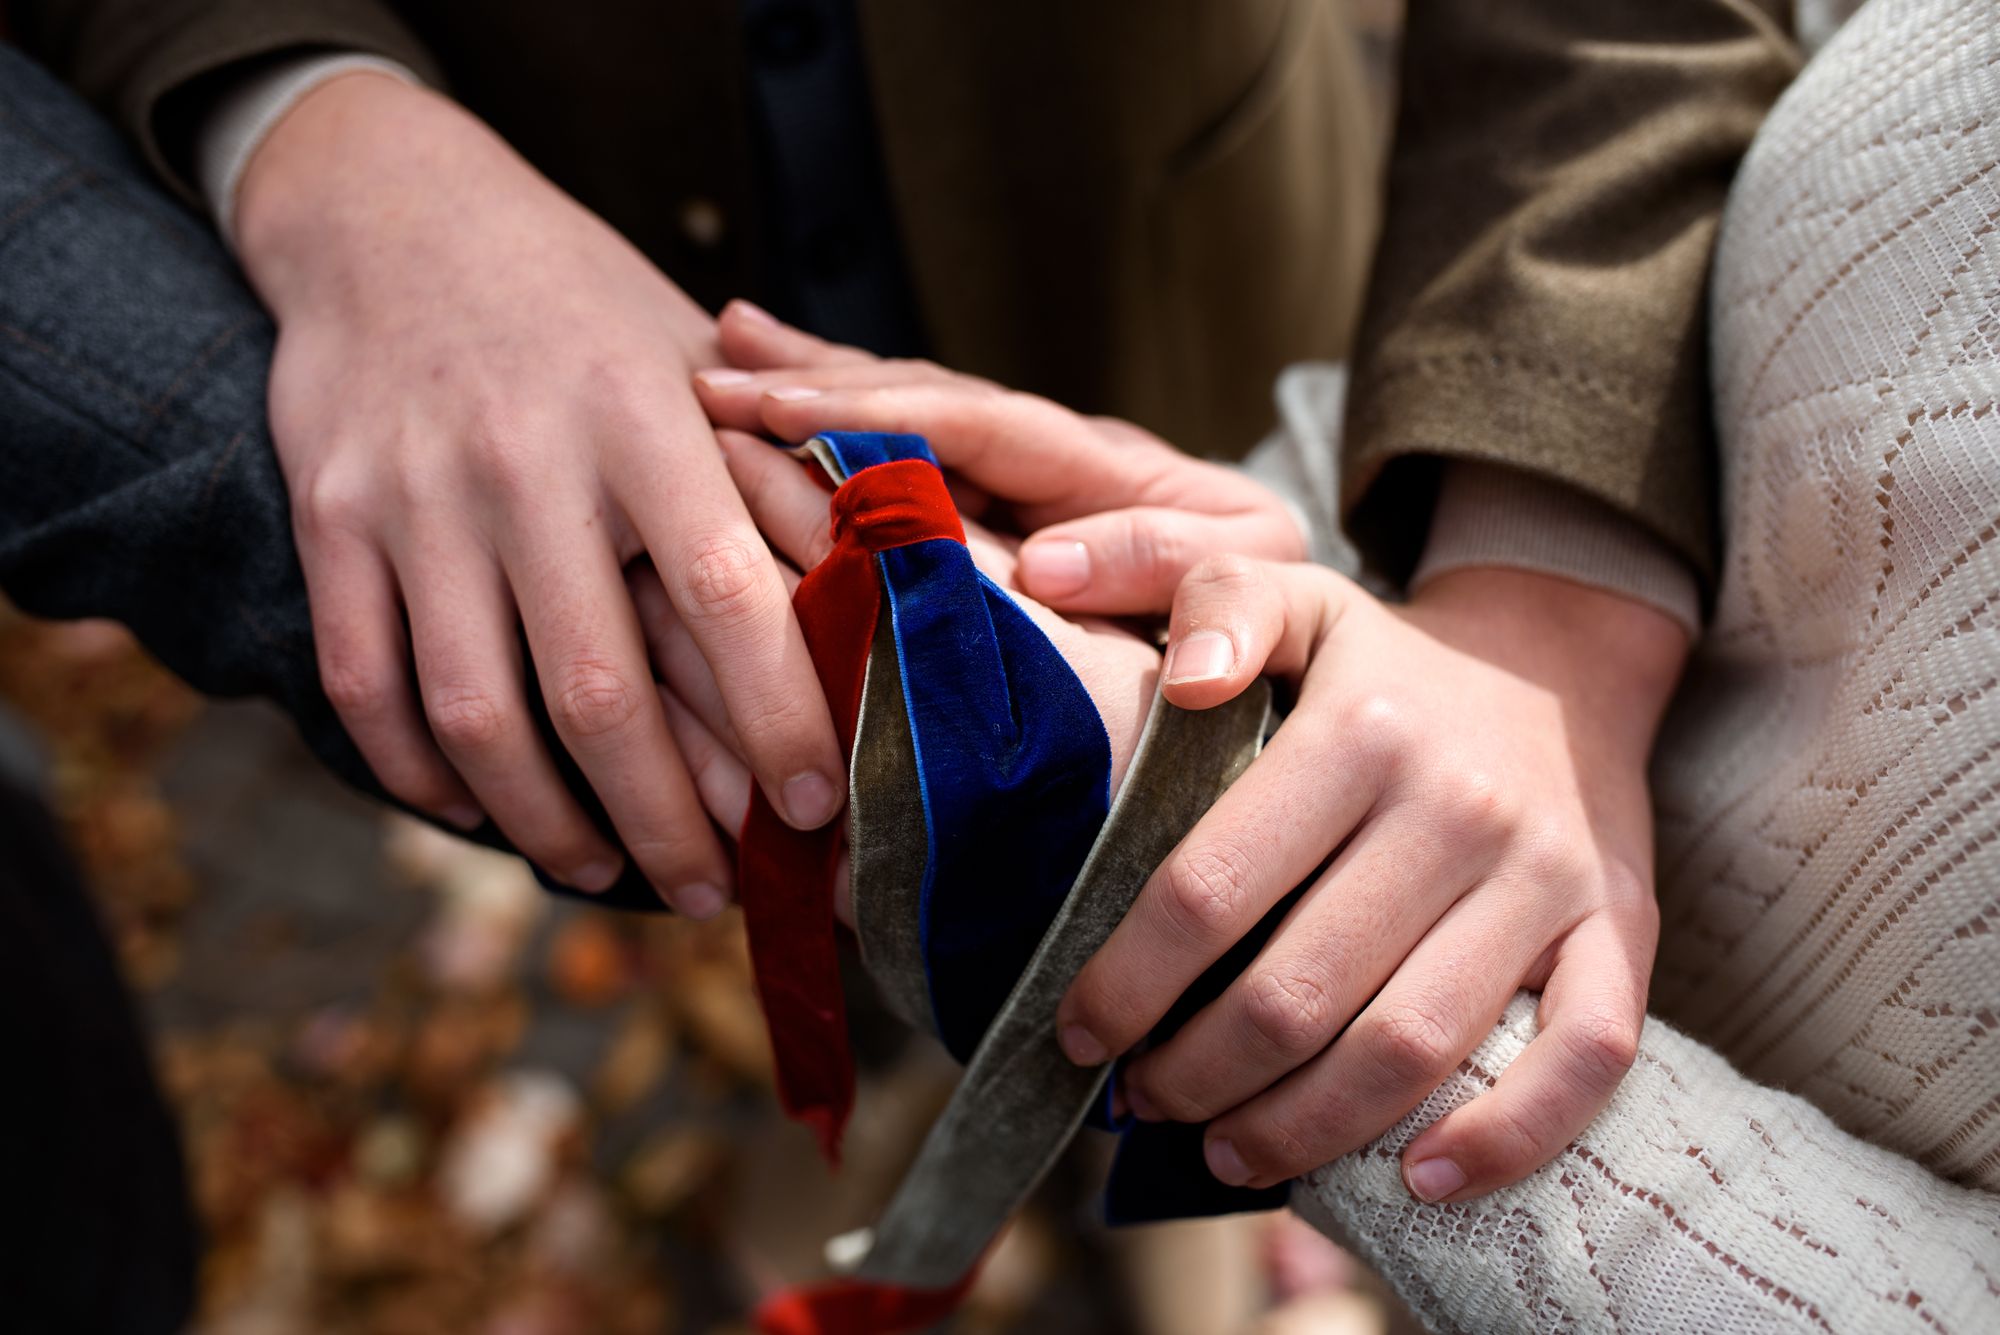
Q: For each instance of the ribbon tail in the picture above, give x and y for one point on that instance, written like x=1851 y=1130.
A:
x=786 y=875
x=859 y=1307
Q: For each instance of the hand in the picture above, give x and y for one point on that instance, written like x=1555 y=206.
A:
x=1474 y=765
x=1114 y=516
x=1117 y=668
x=480 y=402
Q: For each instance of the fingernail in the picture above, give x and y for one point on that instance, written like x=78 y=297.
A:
x=1202 y=656
x=792 y=393
x=1056 y=569
x=467 y=818
x=1081 y=1046
x=1225 y=1163
x=1142 y=1107
x=700 y=901
x=1433 y=1179
x=810 y=800
x=596 y=878
x=750 y=310
x=718 y=377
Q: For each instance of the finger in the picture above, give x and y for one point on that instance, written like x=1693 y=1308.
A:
x=1296 y=803
x=755 y=339
x=462 y=627
x=1235 y=619
x=1441 y=1003
x=722 y=780
x=364 y=668
x=676 y=658
x=1591 y=1014
x=1131 y=561
x=734 y=397
x=786 y=504
x=1338 y=945
x=1026 y=449
x=726 y=586
x=591 y=661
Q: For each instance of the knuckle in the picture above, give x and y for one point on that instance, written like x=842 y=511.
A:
x=720 y=576
x=1158 y=556
x=1228 y=573
x=1476 y=807
x=1200 y=890
x=784 y=714
x=505 y=463
x=1602 y=1044
x=1515 y=1141
x=333 y=501
x=669 y=857
x=355 y=691
x=465 y=718
x=1273 y=1147
x=592 y=698
x=1290 y=1012
x=1409 y=1046
x=1555 y=855
x=1379 y=727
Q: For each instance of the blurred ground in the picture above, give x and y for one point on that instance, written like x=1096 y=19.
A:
x=418 y=1096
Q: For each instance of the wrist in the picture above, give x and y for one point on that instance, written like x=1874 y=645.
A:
x=1612 y=660
x=338 y=168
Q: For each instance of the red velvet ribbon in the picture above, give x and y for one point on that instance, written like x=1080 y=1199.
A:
x=785 y=876
x=859 y=1307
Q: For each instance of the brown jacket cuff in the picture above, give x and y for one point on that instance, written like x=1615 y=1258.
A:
x=151 y=65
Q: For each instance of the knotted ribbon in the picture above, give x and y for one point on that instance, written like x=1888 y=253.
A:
x=785 y=876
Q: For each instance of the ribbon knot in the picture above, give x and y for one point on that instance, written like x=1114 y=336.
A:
x=785 y=876
x=894 y=505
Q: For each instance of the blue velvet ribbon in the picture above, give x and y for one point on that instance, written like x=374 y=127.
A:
x=1014 y=767
x=1012 y=761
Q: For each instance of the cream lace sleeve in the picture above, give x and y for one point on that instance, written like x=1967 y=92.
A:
x=1699 y=1201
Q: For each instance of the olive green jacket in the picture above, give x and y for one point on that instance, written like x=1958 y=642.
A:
x=1145 y=207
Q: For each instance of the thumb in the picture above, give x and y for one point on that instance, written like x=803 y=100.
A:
x=1235 y=619
x=1124 y=562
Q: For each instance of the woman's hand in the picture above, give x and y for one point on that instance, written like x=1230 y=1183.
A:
x=1113 y=516
x=1474 y=767
x=480 y=401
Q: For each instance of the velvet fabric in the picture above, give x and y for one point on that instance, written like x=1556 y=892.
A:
x=1008 y=743
x=785 y=876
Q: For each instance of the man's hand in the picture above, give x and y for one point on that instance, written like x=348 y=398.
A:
x=480 y=401
x=1474 y=765
x=1112 y=515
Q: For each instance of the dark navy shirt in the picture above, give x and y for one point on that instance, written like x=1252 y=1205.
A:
x=831 y=252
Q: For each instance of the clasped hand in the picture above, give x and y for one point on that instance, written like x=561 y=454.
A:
x=1459 y=785
x=1460 y=782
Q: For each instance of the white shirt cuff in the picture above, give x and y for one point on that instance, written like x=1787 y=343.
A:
x=244 y=114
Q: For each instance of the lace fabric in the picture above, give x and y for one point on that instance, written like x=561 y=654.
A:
x=1810 y=1139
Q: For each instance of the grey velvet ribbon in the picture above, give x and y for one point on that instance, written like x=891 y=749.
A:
x=1021 y=1100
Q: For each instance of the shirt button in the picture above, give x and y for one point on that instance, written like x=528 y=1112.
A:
x=702 y=223
x=783 y=35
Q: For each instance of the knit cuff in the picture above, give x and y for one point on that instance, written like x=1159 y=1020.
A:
x=249 y=111
x=1492 y=515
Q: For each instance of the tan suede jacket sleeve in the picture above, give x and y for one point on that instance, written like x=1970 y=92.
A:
x=145 y=62
x=1558 y=172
